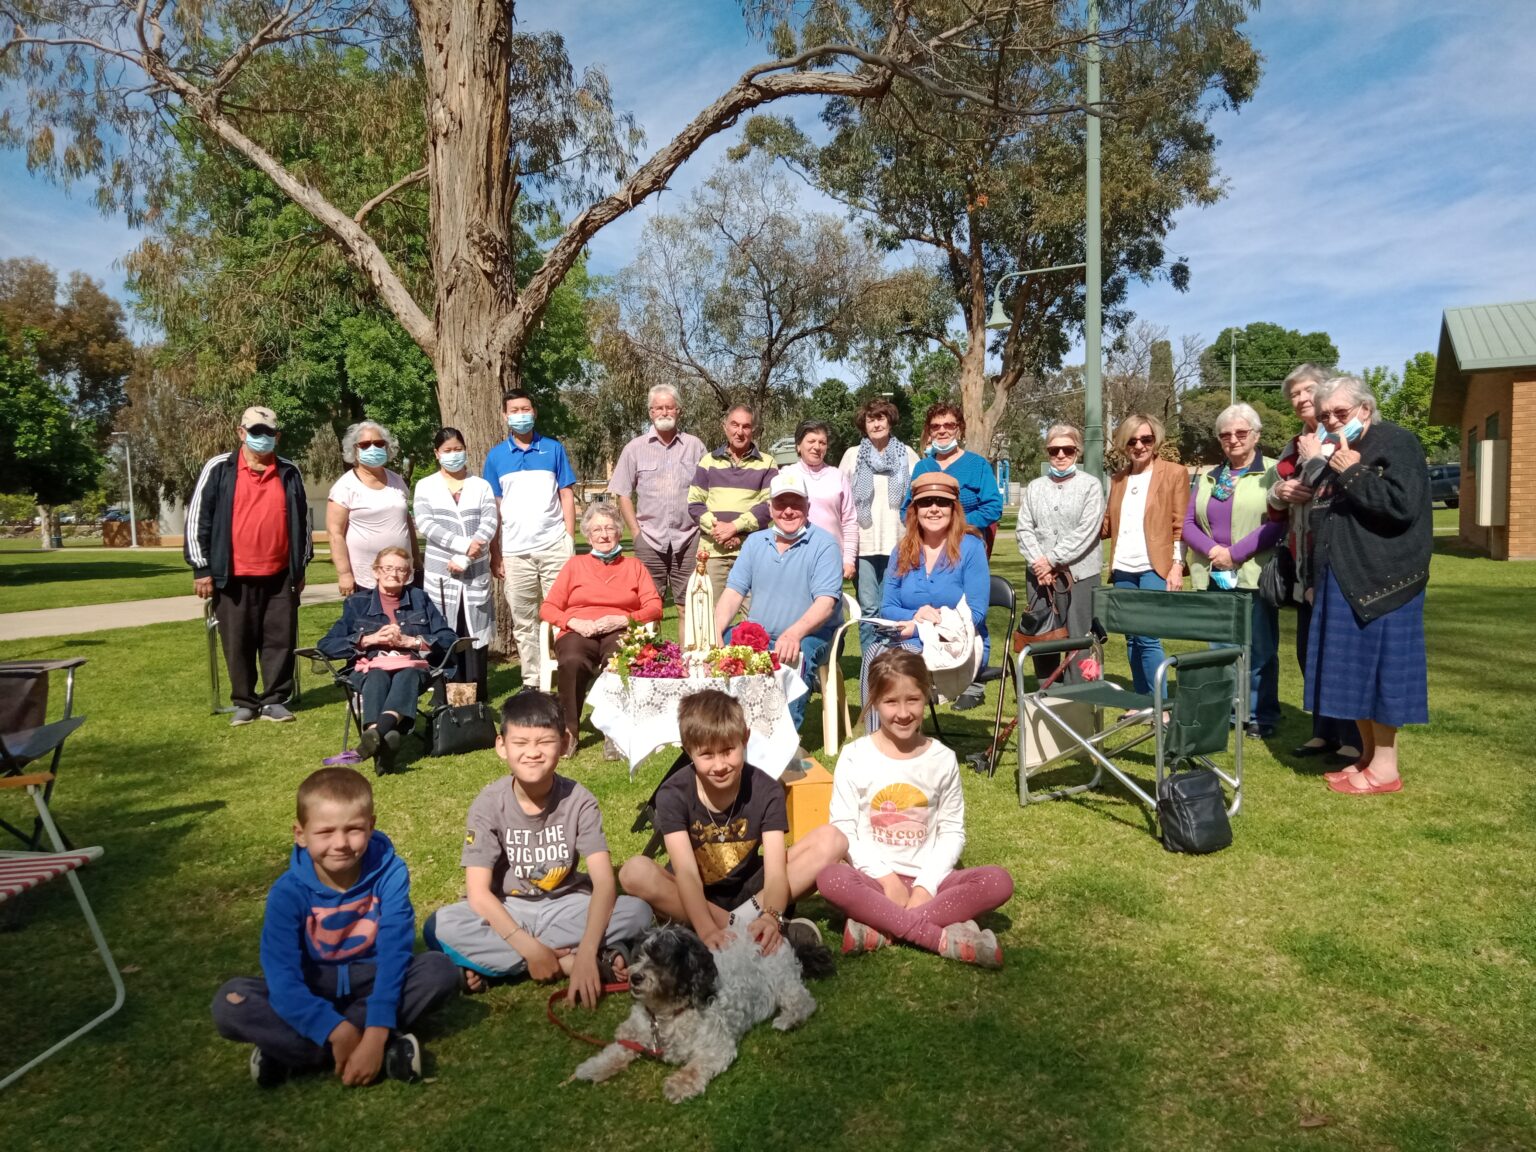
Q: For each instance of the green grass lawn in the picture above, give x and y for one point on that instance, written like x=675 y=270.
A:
x=1351 y=973
x=34 y=579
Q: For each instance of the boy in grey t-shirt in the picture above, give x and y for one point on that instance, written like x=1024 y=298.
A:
x=530 y=911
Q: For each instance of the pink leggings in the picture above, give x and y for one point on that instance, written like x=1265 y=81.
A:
x=964 y=894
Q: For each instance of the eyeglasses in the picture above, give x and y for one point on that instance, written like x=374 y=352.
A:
x=1066 y=450
x=949 y=427
x=1338 y=415
x=933 y=502
x=373 y=443
x=262 y=430
x=392 y=570
x=1143 y=441
x=1235 y=437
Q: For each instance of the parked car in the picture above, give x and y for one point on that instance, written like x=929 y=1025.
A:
x=114 y=516
x=1445 y=484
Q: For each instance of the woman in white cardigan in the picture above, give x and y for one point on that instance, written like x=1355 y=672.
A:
x=456 y=512
x=879 y=470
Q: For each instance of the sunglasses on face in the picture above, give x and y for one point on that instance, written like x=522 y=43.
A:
x=950 y=427
x=1067 y=450
x=373 y=443
x=1141 y=441
x=932 y=502
x=261 y=430
x=1233 y=437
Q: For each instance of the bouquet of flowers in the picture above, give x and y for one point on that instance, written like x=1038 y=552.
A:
x=748 y=654
x=641 y=654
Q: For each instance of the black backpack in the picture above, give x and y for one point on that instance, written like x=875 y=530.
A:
x=1192 y=812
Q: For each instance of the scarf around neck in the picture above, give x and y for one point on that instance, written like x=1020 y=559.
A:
x=892 y=464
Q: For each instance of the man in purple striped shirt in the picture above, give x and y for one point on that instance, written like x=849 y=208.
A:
x=657 y=466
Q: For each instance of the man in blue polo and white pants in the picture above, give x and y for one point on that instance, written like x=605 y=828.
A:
x=794 y=573
x=534 y=485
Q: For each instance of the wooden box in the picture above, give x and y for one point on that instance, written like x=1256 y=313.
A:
x=808 y=797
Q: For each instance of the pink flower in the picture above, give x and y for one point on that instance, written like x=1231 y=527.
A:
x=1089 y=667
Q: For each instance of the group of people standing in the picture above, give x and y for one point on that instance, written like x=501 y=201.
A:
x=1347 y=502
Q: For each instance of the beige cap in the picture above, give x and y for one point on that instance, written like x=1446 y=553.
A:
x=940 y=484
x=256 y=414
x=788 y=484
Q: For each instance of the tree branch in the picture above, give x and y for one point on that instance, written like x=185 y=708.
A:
x=404 y=182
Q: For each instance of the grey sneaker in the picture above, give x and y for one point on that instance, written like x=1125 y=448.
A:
x=802 y=933
x=611 y=750
x=242 y=716
x=277 y=713
x=402 y=1058
x=971 y=945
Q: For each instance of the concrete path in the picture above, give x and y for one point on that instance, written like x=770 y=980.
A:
x=127 y=614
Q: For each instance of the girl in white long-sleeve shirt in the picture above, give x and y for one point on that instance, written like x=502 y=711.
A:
x=896 y=797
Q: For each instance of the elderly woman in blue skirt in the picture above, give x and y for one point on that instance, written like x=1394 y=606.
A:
x=1372 y=543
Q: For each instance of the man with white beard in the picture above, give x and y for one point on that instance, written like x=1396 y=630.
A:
x=657 y=466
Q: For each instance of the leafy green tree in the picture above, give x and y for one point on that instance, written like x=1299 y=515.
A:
x=1266 y=353
x=1405 y=400
x=46 y=451
x=984 y=191
x=832 y=403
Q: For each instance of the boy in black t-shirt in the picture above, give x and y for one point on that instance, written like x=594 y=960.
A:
x=724 y=825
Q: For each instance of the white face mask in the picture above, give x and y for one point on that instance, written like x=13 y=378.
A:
x=453 y=461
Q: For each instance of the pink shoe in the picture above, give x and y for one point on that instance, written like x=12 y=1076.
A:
x=972 y=945
x=861 y=938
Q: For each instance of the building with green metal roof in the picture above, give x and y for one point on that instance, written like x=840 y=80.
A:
x=1485 y=385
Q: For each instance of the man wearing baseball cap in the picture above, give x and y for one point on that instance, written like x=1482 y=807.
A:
x=794 y=573
x=248 y=542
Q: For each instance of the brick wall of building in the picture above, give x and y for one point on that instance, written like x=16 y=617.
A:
x=1522 y=470
x=1487 y=395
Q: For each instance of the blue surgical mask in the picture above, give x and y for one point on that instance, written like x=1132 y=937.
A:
x=520 y=421
x=790 y=537
x=1062 y=473
x=1351 y=431
x=373 y=457
x=937 y=446
x=610 y=554
x=453 y=461
x=261 y=445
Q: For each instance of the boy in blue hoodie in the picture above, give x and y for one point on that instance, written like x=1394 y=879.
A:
x=341 y=984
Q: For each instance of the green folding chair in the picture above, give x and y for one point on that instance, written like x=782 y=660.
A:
x=1200 y=692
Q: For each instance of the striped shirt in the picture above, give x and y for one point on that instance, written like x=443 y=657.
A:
x=730 y=492
x=659 y=474
x=528 y=481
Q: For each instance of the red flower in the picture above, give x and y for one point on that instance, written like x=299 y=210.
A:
x=1089 y=668
x=731 y=666
x=647 y=653
x=774 y=656
x=753 y=636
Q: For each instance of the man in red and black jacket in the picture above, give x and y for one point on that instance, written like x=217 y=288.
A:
x=248 y=542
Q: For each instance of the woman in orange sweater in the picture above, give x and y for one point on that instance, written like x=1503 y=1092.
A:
x=594 y=599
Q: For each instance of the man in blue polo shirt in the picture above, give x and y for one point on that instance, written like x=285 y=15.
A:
x=533 y=481
x=794 y=573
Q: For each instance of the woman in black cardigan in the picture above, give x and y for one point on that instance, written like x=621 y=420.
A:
x=1372 y=543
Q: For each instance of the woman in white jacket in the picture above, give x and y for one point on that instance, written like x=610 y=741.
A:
x=896 y=797
x=456 y=512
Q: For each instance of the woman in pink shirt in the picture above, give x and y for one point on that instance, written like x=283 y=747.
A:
x=831 y=494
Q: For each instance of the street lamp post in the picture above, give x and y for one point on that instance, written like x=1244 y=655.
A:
x=1093 y=306
x=133 y=517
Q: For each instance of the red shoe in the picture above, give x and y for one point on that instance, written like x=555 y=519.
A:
x=1372 y=787
x=1343 y=773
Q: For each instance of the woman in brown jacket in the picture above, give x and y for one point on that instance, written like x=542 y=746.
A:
x=1143 y=523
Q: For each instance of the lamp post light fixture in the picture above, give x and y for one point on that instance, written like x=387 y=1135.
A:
x=133 y=517
x=999 y=321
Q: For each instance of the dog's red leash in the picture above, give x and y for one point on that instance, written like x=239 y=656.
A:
x=632 y=1045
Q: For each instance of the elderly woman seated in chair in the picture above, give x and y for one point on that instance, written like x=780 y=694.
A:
x=391 y=634
x=594 y=599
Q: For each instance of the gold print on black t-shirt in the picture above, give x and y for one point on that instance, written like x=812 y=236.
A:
x=719 y=849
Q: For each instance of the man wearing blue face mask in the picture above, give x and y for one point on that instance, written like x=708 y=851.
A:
x=794 y=573
x=248 y=542
x=535 y=496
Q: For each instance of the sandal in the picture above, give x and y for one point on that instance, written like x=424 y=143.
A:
x=1373 y=787
x=1344 y=773
x=605 y=959
x=466 y=976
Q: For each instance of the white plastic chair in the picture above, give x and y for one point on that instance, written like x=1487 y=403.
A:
x=547 y=654
x=834 y=691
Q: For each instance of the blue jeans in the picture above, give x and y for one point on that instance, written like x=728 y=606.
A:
x=813 y=654
x=1146 y=652
x=870 y=581
x=1263 y=659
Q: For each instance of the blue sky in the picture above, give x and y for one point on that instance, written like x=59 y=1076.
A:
x=1386 y=169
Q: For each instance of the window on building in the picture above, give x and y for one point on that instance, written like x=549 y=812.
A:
x=1472 y=451
x=1491 y=427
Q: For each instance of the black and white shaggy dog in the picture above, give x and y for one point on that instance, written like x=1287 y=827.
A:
x=693 y=1005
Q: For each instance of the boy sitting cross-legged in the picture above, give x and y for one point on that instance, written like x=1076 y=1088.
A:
x=529 y=909
x=724 y=825
x=341 y=983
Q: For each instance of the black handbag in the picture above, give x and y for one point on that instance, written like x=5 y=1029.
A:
x=1277 y=579
x=458 y=728
x=1192 y=812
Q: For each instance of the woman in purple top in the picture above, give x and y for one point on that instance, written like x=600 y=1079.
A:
x=1229 y=533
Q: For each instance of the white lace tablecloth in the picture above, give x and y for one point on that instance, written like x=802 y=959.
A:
x=642 y=716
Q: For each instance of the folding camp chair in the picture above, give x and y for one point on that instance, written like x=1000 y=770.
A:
x=340 y=673
x=22 y=871
x=1207 y=689
x=1003 y=672
x=22 y=746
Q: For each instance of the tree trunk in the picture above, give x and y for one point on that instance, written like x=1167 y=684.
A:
x=466 y=58
x=45 y=525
